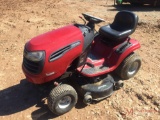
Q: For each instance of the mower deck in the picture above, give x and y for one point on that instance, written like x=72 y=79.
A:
x=98 y=90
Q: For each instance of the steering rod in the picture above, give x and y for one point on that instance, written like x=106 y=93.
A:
x=83 y=20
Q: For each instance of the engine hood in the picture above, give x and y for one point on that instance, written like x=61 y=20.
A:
x=56 y=38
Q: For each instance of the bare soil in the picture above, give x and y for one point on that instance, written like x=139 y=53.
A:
x=20 y=20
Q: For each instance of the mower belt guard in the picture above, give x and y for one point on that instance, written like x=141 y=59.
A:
x=101 y=89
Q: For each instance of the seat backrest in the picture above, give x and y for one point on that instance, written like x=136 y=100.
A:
x=125 y=20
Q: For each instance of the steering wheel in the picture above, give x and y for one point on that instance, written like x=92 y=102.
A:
x=93 y=19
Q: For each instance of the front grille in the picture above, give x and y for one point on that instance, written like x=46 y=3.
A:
x=33 y=67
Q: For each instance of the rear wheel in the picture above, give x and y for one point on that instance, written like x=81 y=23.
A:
x=129 y=67
x=62 y=99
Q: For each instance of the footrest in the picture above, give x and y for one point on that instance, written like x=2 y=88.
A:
x=94 y=70
x=99 y=66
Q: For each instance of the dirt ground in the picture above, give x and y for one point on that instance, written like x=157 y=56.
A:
x=20 y=20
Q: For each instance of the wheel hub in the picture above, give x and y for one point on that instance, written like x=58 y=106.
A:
x=64 y=102
x=133 y=68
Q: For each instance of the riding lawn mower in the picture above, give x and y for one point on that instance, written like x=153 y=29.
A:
x=90 y=59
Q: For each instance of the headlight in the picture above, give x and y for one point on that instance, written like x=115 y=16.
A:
x=34 y=56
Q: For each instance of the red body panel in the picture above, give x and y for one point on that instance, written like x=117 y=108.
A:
x=108 y=56
x=51 y=42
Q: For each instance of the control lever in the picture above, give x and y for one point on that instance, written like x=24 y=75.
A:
x=87 y=63
x=83 y=20
x=90 y=64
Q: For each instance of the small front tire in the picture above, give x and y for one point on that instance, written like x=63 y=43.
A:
x=62 y=99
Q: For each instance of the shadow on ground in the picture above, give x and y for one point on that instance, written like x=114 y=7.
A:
x=129 y=7
x=25 y=95
x=17 y=98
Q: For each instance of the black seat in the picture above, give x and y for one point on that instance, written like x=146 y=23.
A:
x=124 y=24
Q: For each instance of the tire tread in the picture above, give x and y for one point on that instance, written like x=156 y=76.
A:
x=56 y=93
x=120 y=70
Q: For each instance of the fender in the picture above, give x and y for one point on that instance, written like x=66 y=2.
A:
x=110 y=55
x=121 y=56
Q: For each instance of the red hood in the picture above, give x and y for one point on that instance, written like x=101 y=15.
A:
x=56 y=38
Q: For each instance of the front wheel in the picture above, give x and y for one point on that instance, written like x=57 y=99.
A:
x=62 y=99
x=129 y=67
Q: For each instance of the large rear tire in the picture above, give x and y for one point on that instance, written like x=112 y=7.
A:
x=129 y=67
x=62 y=99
